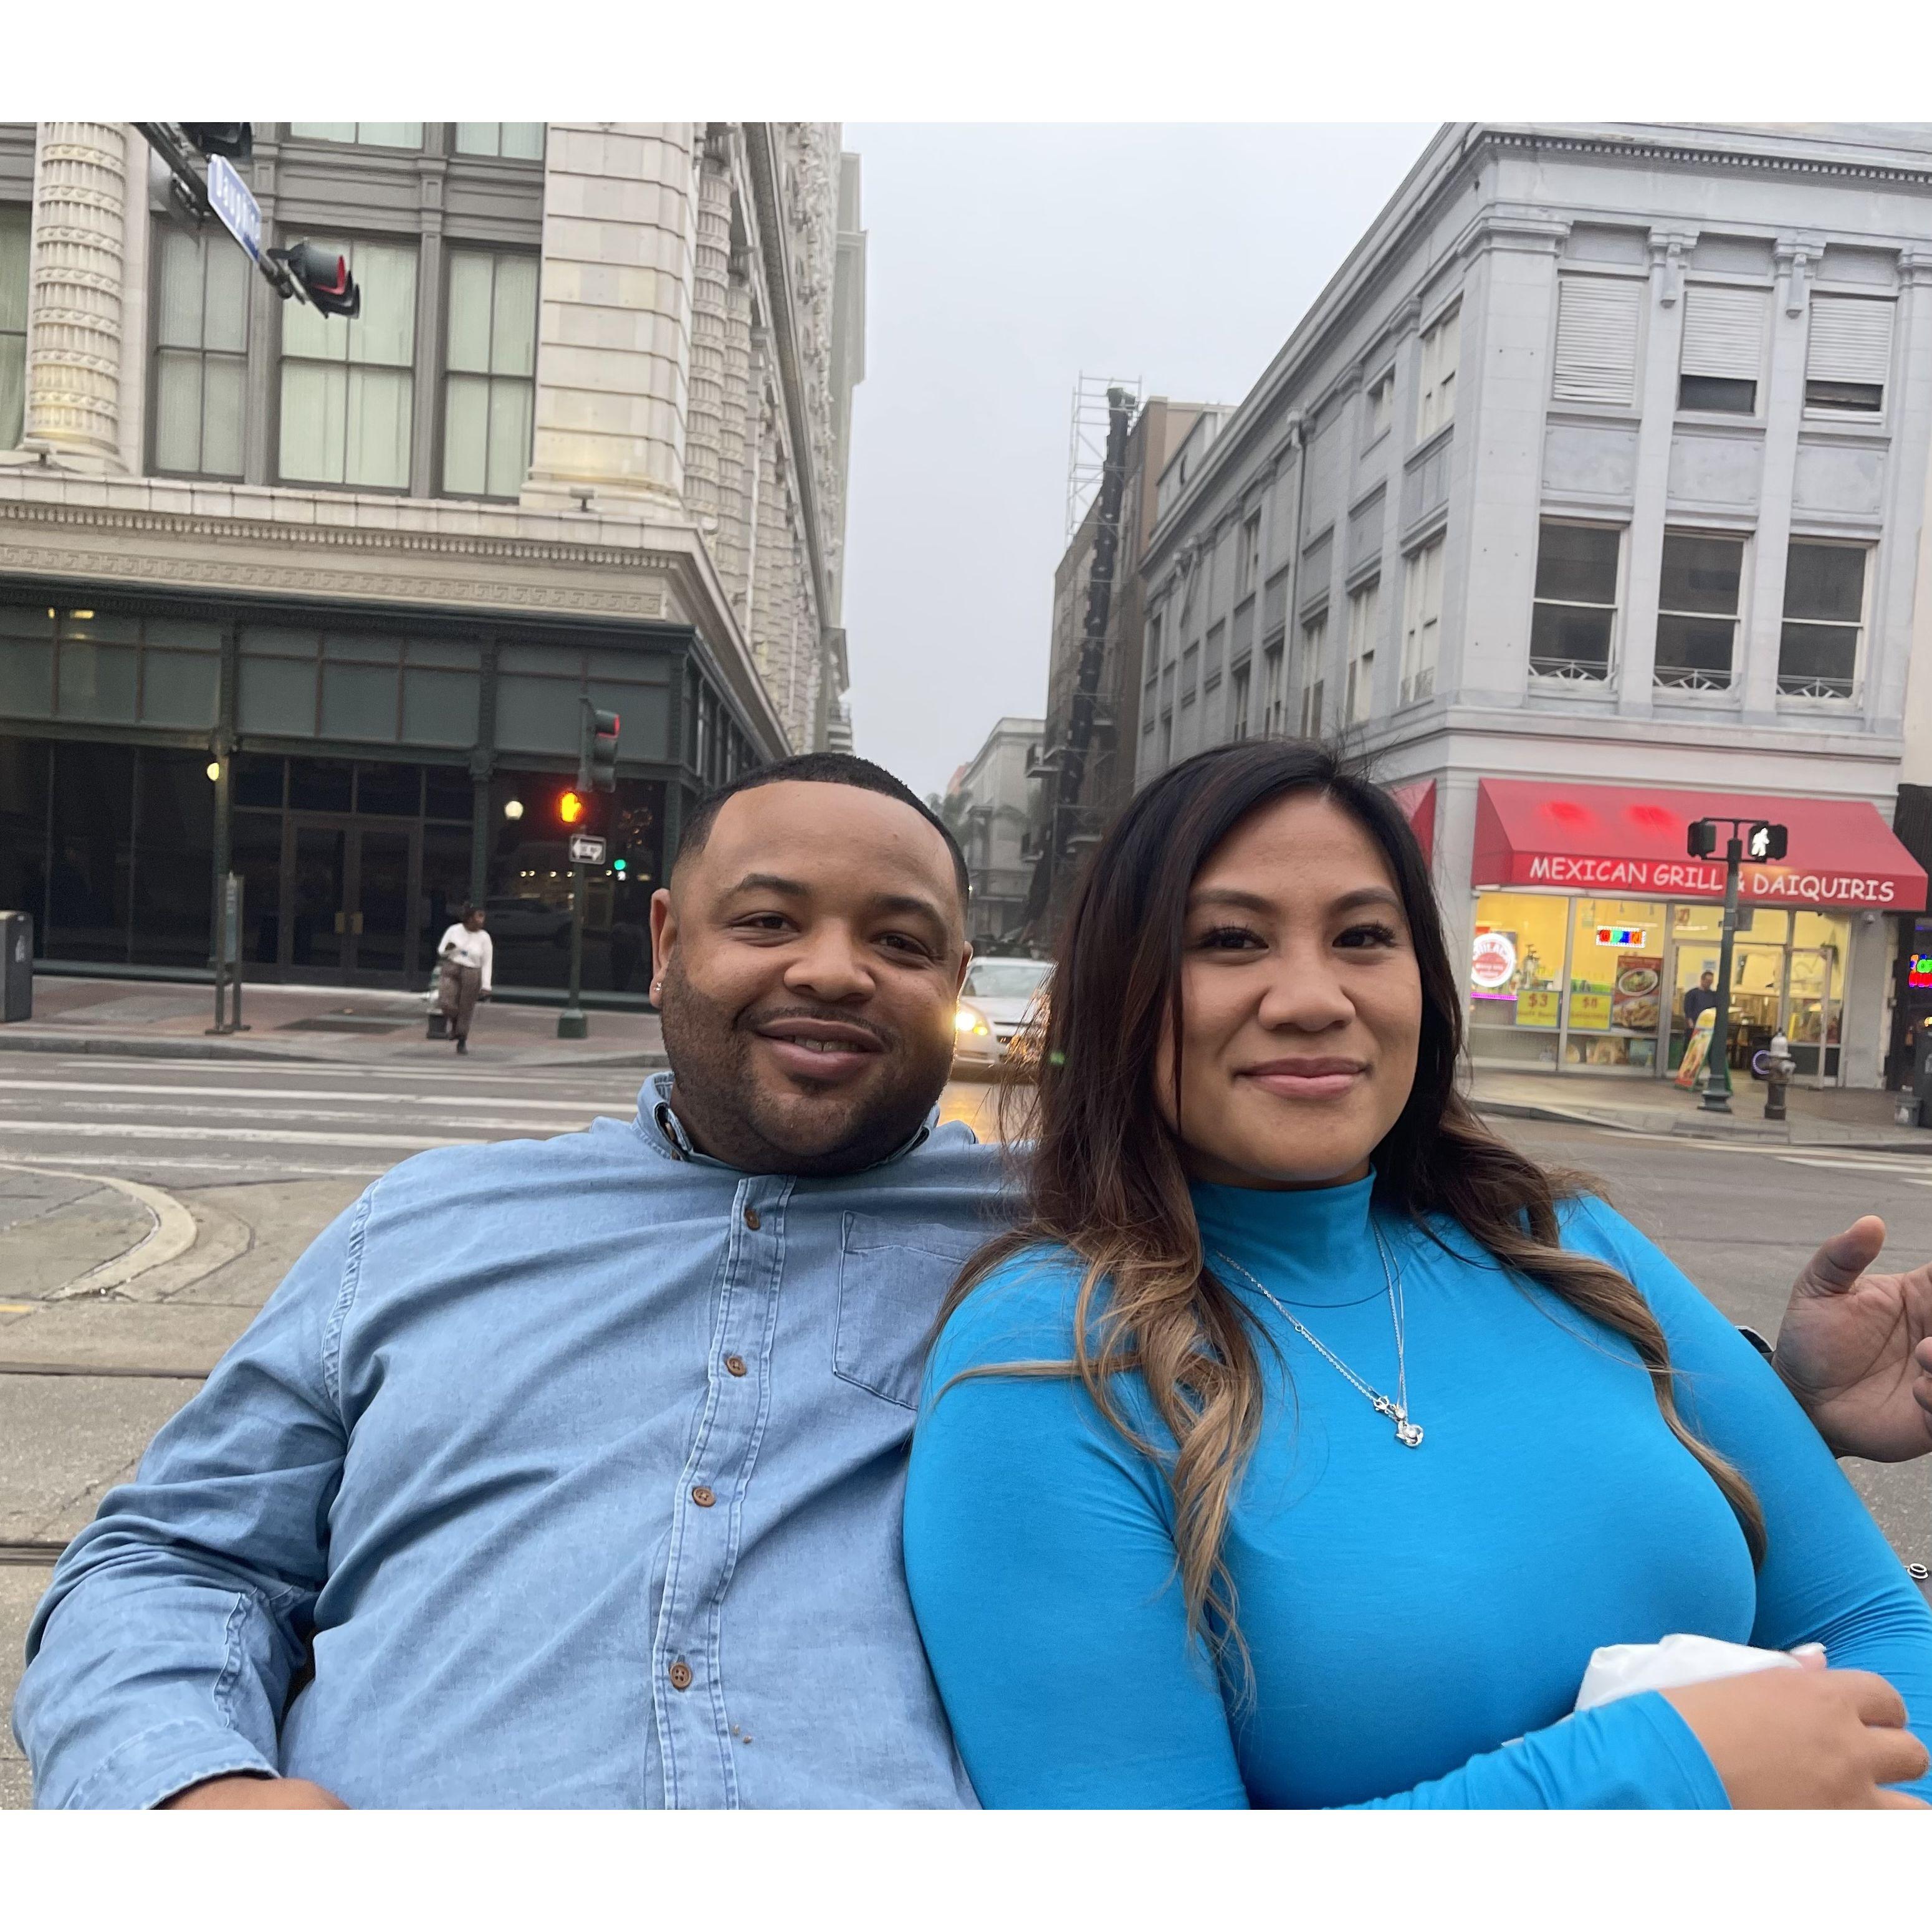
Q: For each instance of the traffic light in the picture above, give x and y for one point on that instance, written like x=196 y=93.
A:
x=597 y=750
x=1766 y=842
x=321 y=277
x=233 y=140
x=1703 y=840
x=570 y=808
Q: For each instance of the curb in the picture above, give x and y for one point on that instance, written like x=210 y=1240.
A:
x=1525 y=1110
x=126 y=1047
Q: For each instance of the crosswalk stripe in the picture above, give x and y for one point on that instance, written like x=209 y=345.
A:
x=134 y=1131
x=80 y=1089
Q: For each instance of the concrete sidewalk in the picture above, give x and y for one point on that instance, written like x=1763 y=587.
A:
x=1848 y=1117
x=327 y=1025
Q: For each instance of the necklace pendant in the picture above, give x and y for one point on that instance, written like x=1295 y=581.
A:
x=1408 y=1434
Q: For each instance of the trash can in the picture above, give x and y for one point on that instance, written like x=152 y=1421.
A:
x=16 y=966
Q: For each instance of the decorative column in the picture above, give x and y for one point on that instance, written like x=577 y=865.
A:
x=74 y=319
x=734 y=473
x=704 y=431
x=613 y=347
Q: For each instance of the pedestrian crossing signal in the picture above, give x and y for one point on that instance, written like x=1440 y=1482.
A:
x=1765 y=843
x=570 y=808
x=1703 y=840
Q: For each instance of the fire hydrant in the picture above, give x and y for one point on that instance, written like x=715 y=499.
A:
x=1778 y=1068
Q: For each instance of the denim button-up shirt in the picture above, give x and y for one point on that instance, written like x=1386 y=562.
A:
x=572 y=1469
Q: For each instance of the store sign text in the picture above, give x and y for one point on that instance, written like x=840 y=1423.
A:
x=1754 y=882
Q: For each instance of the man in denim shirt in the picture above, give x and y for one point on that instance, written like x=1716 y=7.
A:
x=572 y=1468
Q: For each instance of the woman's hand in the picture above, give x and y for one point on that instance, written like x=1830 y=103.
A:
x=1810 y=1739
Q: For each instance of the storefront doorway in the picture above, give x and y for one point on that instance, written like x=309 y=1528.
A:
x=349 y=898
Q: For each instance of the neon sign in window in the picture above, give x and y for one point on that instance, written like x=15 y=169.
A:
x=1918 y=974
x=1634 y=937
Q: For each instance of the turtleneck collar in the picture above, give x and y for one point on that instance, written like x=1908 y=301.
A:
x=1309 y=1245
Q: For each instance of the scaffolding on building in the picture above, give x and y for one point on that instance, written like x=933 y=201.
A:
x=1086 y=442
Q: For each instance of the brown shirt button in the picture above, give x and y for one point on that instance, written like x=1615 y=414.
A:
x=751 y=1218
x=704 y=1497
x=734 y=1365
x=680 y=1676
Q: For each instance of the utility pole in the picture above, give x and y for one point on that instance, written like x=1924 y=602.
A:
x=1763 y=842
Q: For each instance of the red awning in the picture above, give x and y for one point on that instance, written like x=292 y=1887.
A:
x=1418 y=800
x=1618 y=839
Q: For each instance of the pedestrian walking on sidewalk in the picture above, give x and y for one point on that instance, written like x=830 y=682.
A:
x=465 y=952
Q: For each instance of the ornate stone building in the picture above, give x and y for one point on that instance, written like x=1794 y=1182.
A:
x=586 y=437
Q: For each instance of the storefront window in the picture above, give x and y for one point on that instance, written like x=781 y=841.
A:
x=1516 y=977
x=528 y=908
x=1616 y=982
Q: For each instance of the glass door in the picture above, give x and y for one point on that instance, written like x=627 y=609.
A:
x=380 y=940
x=315 y=941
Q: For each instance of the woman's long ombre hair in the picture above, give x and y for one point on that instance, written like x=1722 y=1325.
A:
x=1108 y=1178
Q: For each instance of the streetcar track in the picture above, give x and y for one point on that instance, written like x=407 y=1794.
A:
x=107 y=1370
x=34 y=1554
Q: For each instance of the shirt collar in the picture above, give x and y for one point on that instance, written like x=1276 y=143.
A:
x=654 y=1107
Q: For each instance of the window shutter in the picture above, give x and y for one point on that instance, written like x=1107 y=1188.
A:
x=1851 y=340
x=1723 y=332
x=1596 y=339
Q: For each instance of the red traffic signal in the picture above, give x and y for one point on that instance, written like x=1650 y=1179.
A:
x=321 y=277
x=597 y=749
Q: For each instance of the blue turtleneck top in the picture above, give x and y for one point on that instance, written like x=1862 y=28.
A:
x=1417 y=1620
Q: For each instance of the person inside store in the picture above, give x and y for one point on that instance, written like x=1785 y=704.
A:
x=465 y=956
x=1304 y=1439
x=1699 y=999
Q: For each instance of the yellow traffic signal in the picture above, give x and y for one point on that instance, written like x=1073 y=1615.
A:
x=570 y=808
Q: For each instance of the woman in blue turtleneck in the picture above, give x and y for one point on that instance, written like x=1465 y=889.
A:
x=1305 y=1440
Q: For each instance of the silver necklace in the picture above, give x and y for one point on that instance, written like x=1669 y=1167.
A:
x=1407 y=1433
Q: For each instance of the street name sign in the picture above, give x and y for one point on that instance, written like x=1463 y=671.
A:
x=586 y=851
x=228 y=195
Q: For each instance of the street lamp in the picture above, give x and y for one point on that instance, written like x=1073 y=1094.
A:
x=513 y=809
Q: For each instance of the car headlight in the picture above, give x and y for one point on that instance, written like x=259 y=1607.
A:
x=970 y=1021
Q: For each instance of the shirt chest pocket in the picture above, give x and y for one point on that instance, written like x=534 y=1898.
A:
x=892 y=1277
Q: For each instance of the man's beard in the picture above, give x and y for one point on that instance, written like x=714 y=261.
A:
x=733 y=1117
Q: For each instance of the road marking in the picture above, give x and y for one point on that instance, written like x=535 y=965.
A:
x=90 y=1130
x=1847 y=1164
x=148 y=1109
x=75 y=1089
x=172 y=1234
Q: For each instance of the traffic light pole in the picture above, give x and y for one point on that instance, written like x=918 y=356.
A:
x=572 y=1023
x=1717 y=1068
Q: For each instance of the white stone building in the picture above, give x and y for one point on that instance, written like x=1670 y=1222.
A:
x=1588 y=498
x=588 y=436
x=989 y=805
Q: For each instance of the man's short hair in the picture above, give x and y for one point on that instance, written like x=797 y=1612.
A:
x=817 y=768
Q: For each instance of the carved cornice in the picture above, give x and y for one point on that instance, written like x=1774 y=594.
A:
x=191 y=529
x=1688 y=154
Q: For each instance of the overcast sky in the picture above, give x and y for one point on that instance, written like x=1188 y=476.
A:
x=1002 y=262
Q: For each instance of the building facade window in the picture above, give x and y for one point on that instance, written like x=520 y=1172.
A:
x=1422 y=622
x=1848 y=355
x=1697 y=611
x=1597 y=318
x=1314 y=650
x=1248 y=558
x=361 y=133
x=489 y=365
x=1364 y=614
x=1239 y=685
x=348 y=388
x=1441 y=350
x=1722 y=358
x=1380 y=405
x=1274 y=690
x=1573 y=626
x=513 y=140
x=1819 y=654
x=200 y=354
x=16 y=229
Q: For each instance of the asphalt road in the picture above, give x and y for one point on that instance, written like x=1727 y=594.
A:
x=147 y=1207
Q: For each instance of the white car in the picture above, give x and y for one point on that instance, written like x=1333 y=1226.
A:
x=996 y=1006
